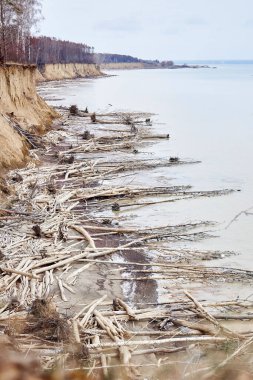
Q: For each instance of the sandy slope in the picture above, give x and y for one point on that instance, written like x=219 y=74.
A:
x=68 y=71
x=20 y=102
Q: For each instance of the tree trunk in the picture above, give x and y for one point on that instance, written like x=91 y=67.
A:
x=3 y=52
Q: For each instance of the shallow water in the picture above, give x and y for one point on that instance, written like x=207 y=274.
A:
x=209 y=115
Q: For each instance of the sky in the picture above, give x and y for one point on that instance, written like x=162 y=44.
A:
x=155 y=29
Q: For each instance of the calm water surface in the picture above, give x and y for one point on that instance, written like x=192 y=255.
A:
x=209 y=115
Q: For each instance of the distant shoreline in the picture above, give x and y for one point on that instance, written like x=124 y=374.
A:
x=214 y=62
x=143 y=65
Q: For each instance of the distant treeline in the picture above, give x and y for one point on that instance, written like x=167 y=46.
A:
x=115 y=58
x=45 y=50
x=118 y=58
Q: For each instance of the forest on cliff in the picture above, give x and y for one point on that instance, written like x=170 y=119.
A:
x=18 y=21
x=18 y=43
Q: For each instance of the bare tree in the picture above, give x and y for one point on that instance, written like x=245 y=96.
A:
x=50 y=50
x=17 y=18
x=27 y=21
x=9 y=9
x=18 y=21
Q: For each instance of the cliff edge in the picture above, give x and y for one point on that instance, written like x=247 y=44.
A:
x=20 y=105
x=60 y=71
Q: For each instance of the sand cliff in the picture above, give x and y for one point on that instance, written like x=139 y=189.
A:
x=61 y=71
x=20 y=104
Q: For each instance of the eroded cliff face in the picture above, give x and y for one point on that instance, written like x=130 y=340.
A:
x=13 y=150
x=20 y=103
x=18 y=95
x=68 y=71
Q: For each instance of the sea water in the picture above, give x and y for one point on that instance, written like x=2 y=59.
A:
x=209 y=116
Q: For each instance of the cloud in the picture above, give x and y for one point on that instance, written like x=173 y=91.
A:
x=155 y=28
x=249 y=23
x=119 y=25
x=171 y=31
x=194 y=20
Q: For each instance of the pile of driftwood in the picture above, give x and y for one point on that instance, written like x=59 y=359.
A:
x=106 y=334
x=51 y=240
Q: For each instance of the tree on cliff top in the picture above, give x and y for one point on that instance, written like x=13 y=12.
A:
x=17 y=18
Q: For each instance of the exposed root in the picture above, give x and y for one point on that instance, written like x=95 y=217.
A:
x=46 y=322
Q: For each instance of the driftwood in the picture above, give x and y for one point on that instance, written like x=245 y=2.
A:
x=210 y=318
x=87 y=236
x=54 y=233
x=202 y=339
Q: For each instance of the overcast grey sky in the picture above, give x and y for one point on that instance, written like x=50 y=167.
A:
x=163 y=29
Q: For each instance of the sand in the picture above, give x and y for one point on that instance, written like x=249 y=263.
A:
x=20 y=104
x=68 y=71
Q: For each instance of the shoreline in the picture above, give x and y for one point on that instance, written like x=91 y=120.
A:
x=24 y=115
x=56 y=72
x=69 y=158
x=145 y=66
